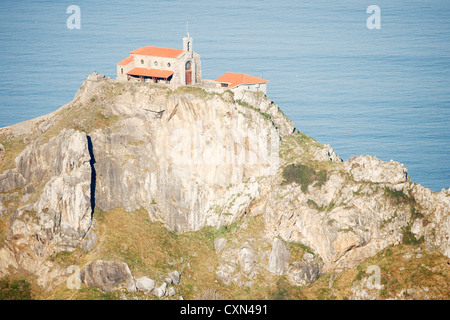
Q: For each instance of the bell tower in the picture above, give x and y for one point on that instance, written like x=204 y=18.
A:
x=187 y=43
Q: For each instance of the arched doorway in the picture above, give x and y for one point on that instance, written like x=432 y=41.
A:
x=188 y=69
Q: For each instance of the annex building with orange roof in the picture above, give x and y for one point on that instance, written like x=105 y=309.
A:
x=162 y=65
x=241 y=81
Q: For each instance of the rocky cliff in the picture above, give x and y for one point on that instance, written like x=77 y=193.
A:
x=193 y=158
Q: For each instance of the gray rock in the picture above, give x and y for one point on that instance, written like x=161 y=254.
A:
x=219 y=244
x=175 y=277
x=303 y=273
x=171 y=292
x=160 y=291
x=10 y=180
x=308 y=256
x=225 y=272
x=2 y=152
x=108 y=276
x=246 y=260
x=89 y=241
x=279 y=258
x=95 y=76
x=370 y=168
x=407 y=256
x=145 y=284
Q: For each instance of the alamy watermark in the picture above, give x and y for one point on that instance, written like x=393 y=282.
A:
x=237 y=144
x=374 y=21
x=374 y=281
x=73 y=281
x=74 y=20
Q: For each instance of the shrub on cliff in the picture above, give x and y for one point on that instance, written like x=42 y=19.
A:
x=303 y=175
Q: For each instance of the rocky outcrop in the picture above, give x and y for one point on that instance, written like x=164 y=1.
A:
x=303 y=273
x=174 y=277
x=64 y=207
x=108 y=276
x=364 y=206
x=193 y=158
x=240 y=263
x=161 y=290
x=57 y=215
x=371 y=169
x=2 y=152
x=195 y=165
x=219 y=244
x=145 y=284
x=435 y=227
x=279 y=258
x=10 y=180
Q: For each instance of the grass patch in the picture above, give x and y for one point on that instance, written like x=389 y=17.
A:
x=303 y=175
x=196 y=91
x=416 y=214
x=398 y=196
x=15 y=289
x=281 y=290
x=297 y=250
x=246 y=105
x=312 y=204
x=151 y=250
x=409 y=238
x=213 y=233
x=396 y=274
x=13 y=147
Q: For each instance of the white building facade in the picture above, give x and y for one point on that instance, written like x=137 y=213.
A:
x=162 y=65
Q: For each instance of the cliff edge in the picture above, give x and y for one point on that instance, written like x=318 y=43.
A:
x=192 y=158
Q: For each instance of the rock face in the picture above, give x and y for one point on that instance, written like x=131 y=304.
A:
x=65 y=204
x=303 y=273
x=160 y=291
x=175 y=277
x=368 y=168
x=198 y=159
x=219 y=244
x=279 y=258
x=363 y=207
x=108 y=275
x=59 y=216
x=145 y=284
x=193 y=158
x=11 y=180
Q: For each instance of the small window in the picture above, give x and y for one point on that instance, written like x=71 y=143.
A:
x=121 y=70
x=142 y=61
x=156 y=63
x=168 y=64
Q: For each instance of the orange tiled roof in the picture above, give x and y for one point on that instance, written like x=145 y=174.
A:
x=235 y=79
x=158 y=52
x=126 y=61
x=155 y=73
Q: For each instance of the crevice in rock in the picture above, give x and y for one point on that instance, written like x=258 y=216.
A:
x=93 y=173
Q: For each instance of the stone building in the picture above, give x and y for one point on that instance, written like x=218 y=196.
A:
x=166 y=65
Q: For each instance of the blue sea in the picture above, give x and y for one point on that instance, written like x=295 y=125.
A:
x=382 y=92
